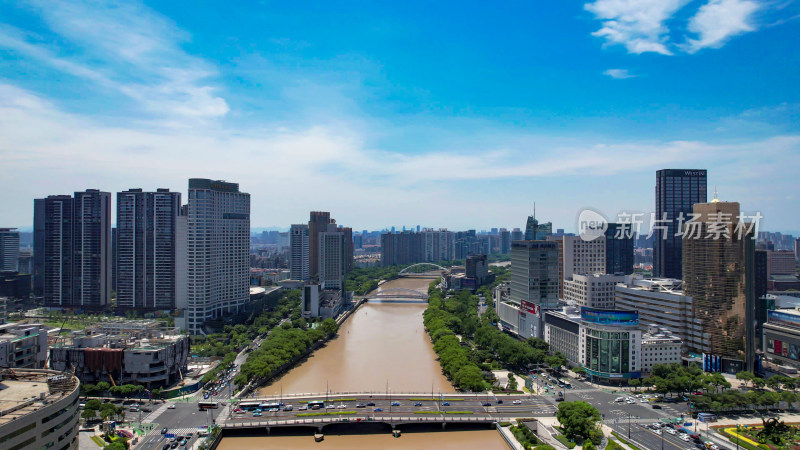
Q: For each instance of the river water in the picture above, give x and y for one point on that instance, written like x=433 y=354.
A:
x=382 y=346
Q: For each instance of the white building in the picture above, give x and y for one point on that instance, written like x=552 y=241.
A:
x=438 y=245
x=594 y=291
x=23 y=345
x=660 y=301
x=583 y=257
x=218 y=251
x=9 y=250
x=38 y=410
x=659 y=346
x=298 y=252
x=331 y=258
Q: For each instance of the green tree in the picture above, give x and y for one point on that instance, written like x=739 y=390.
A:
x=103 y=386
x=328 y=327
x=578 y=419
x=758 y=382
x=745 y=376
x=89 y=413
x=578 y=370
x=635 y=383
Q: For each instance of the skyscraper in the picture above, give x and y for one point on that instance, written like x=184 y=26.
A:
x=505 y=241
x=619 y=250
x=76 y=245
x=401 y=249
x=298 y=252
x=9 y=250
x=349 y=250
x=516 y=234
x=92 y=261
x=534 y=286
x=317 y=222
x=146 y=249
x=715 y=276
x=537 y=231
x=218 y=251
x=677 y=190
x=332 y=258
x=38 y=246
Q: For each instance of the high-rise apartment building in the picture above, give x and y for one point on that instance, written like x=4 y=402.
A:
x=781 y=262
x=9 y=250
x=797 y=249
x=349 y=250
x=583 y=257
x=439 y=245
x=218 y=251
x=146 y=249
x=619 y=250
x=38 y=246
x=715 y=260
x=298 y=252
x=77 y=249
x=332 y=258
x=401 y=248
x=517 y=235
x=677 y=190
x=317 y=223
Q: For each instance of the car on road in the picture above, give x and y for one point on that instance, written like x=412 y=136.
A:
x=371 y=404
x=657 y=431
x=656 y=406
x=171 y=406
x=395 y=403
x=486 y=404
x=146 y=409
x=174 y=445
x=303 y=408
x=560 y=399
x=183 y=442
x=287 y=408
x=361 y=405
x=341 y=406
x=685 y=437
x=164 y=430
x=517 y=402
x=445 y=403
x=165 y=447
x=418 y=404
x=330 y=406
x=256 y=414
x=500 y=402
x=619 y=399
x=377 y=410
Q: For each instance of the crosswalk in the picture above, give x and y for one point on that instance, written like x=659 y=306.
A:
x=150 y=418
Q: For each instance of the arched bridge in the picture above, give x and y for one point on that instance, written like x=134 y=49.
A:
x=398 y=293
x=406 y=273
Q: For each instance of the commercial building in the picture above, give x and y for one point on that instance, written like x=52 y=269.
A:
x=619 y=249
x=659 y=346
x=516 y=235
x=505 y=241
x=38 y=410
x=218 y=251
x=715 y=258
x=534 y=287
x=23 y=345
x=677 y=190
x=662 y=302
x=9 y=250
x=331 y=247
x=583 y=257
x=147 y=248
x=535 y=231
x=593 y=291
x=477 y=267
x=319 y=302
x=562 y=331
x=150 y=358
x=318 y=222
x=298 y=252
x=39 y=213
x=781 y=262
x=782 y=338
x=76 y=246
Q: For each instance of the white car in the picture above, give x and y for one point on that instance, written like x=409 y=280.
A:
x=517 y=402
x=619 y=399
x=644 y=400
x=657 y=431
x=171 y=406
x=685 y=437
x=341 y=406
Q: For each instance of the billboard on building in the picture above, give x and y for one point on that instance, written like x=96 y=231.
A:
x=607 y=317
x=528 y=307
x=783 y=318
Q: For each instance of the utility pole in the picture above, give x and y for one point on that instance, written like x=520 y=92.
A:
x=629 y=426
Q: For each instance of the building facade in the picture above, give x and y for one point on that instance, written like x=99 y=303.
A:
x=583 y=257
x=331 y=258
x=218 y=251
x=593 y=291
x=318 y=222
x=147 y=248
x=619 y=249
x=781 y=262
x=23 y=346
x=608 y=342
x=9 y=250
x=714 y=275
x=39 y=410
x=677 y=190
x=298 y=252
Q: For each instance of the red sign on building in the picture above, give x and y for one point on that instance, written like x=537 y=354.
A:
x=528 y=307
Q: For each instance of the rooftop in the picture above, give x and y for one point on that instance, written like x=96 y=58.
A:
x=25 y=391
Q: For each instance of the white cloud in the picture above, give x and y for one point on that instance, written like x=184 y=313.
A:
x=636 y=24
x=719 y=20
x=127 y=48
x=619 y=74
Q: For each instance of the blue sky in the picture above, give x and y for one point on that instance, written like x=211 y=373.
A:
x=444 y=114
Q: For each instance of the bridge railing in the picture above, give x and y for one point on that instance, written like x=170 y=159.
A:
x=427 y=418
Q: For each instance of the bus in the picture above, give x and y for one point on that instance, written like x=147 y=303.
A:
x=249 y=406
x=269 y=406
x=565 y=384
x=316 y=404
x=207 y=405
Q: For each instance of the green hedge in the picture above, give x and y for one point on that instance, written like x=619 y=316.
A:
x=616 y=435
x=563 y=439
x=325 y=414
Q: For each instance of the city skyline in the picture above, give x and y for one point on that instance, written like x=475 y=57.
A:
x=500 y=115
